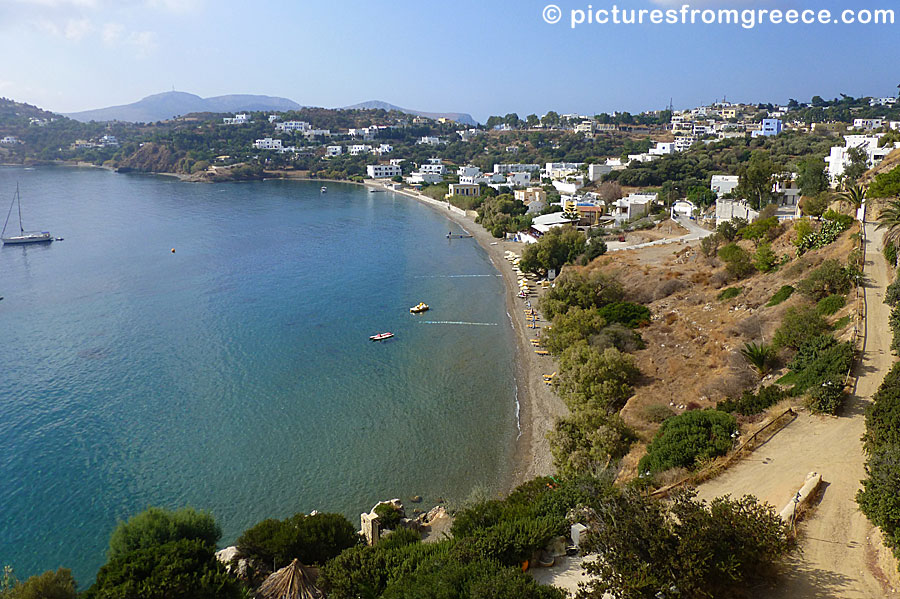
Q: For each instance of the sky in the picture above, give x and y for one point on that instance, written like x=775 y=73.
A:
x=483 y=57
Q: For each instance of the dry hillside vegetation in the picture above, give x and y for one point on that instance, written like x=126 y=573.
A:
x=692 y=358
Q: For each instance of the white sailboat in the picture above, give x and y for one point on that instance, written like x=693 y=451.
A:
x=23 y=236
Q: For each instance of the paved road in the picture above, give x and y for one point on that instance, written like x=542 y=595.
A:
x=840 y=548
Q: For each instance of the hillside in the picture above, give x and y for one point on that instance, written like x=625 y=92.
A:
x=18 y=113
x=459 y=117
x=160 y=107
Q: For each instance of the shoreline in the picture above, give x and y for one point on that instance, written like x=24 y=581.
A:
x=538 y=405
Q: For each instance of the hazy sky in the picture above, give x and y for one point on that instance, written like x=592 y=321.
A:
x=478 y=56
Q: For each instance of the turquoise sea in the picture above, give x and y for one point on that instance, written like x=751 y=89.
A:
x=236 y=374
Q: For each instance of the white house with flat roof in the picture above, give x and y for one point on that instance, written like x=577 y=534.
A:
x=662 y=148
x=357 y=149
x=722 y=184
x=238 y=119
x=468 y=171
x=429 y=141
x=291 y=126
x=382 y=171
x=267 y=143
x=839 y=159
x=728 y=210
x=433 y=166
x=419 y=177
x=332 y=151
x=632 y=206
x=383 y=149
x=868 y=124
x=516 y=168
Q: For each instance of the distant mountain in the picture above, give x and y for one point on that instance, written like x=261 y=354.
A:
x=459 y=117
x=160 y=107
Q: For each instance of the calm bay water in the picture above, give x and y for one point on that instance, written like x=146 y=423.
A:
x=236 y=374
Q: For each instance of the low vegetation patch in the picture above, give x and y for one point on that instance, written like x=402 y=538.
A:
x=753 y=402
x=730 y=293
x=686 y=439
x=831 y=304
x=781 y=295
x=820 y=367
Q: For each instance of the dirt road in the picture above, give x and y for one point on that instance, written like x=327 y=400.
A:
x=842 y=553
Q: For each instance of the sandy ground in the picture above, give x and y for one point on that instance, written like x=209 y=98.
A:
x=539 y=406
x=842 y=553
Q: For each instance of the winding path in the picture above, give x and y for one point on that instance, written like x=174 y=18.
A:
x=841 y=551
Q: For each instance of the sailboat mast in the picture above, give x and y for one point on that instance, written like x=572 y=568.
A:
x=8 y=214
x=19 y=202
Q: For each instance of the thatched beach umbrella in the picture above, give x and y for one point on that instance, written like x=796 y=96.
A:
x=291 y=582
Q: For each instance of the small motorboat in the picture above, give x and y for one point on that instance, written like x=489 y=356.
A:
x=419 y=308
x=381 y=336
x=324 y=189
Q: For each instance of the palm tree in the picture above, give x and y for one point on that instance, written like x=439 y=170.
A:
x=760 y=356
x=853 y=196
x=890 y=219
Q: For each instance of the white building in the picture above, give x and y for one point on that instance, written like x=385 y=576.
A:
x=839 y=159
x=480 y=178
x=683 y=209
x=109 y=141
x=684 y=142
x=516 y=168
x=632 y=207
x=662 y=148
x=518 y=179
x=273 y=118
x=722 y=184
x=290 y=126
x=429 y=141
x=268 y=144
x=332 y=151
x=569 y=185
x=868 y=124
x=397 y=161
x=728 y=210
x=646 y=157
x=420 y=177
x=357 y=149
x=317 y=133
x=882 y=102
x=464 y=190
x=468 y=171
x=433 y=166
x=238 y=119
x=382 y=171
x=10 y=140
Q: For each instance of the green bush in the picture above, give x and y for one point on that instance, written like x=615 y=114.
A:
x=845 y=221
x=799 y=324
x=577 y=324
x=828 y=233
x=587 y=441
x=388 y=516
x=827 y=396
x=730 y=293
x=819 y=367
x=751 y=403
x=156 y=526
x=558 y=247
x=591 y=379
x=185 y=569
x=575 y=288
x=765 y=259
x=883 y=414
x=687 y=438
x=831 y=304
x=313 y=539
x=892 y=294
x=737 y=260
x=829 y=279
x=631 y=315
x=879 y=499
x=618 y=336
x=890 y=253
x=682 y=548
x=49 y=585
x=780 y=296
